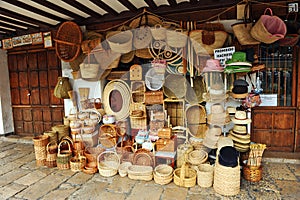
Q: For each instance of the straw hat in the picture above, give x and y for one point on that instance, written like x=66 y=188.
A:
x=127 y=57
x=240 y=89
x=212 y=136
x=241 y=147
x=239 y=129
x=243 y=139
x=224 y=141
x=213 y=65
x=231 y=110
x=240 y=117
x=218 y=115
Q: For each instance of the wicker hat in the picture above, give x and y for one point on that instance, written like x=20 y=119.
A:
x=243 y=139
x=239 y=129
x=231 y=110
x=212 y=136
x=240 y=117
x=213 y=65
x=218 y=115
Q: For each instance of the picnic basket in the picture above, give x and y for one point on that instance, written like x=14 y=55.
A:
x=108 y=163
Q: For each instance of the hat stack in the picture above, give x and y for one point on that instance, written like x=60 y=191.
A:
x=212 y=136
x=238 y=133
x=237 y=63
x=218 y=115
x=228 y=156
x=240 y=89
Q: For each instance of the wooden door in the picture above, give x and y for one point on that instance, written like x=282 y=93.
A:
x=33 y=76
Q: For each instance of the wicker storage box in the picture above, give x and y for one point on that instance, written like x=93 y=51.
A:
x=138 y=122
x=138 y=86
x=154 y=97
x=165 y=133
x=166 y=144
x=138 y=97
x=175 y=111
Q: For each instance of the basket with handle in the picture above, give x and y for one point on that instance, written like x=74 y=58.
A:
x=108 y=163
x=185 y=176
x=77 y=163
x=51 y=149
x=64 y=156
x=252 y=174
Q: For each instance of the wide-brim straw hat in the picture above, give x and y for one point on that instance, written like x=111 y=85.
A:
x=239 y=129
x=243 y=139
x=241 y=147
x=240 y=117
x=127 y=57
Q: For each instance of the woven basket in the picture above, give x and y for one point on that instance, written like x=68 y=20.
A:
x=52 y=135
x=195 y=114
x=182 y=150
x=91 y=153
x=89 y=70
x=177 y=38
x=62 y=130
x=77 y=163
x=226 y=179
x=185 y=176
x=120 y=41
x=252 y=174
x=68 y=41
x=197 y=157
x=143 y=157
x=64 y=156
x=108 y=163
x=172 y=89
x=51 y=149
x=40 y=143
x=123 y=169
x=108 y=135
x=205 y=175
x=163 y=174
x=139 y=172
x=154 y=81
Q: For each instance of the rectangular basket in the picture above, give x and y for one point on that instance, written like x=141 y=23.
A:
x=138 y=86
x=175 y=111
x=156 y=125
x=165 y=133
x=154 y=97
x=166 y=145
x=138 y=97
x=138 y=122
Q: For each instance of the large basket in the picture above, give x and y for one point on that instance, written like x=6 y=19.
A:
x=40 y=142
x=68 y=41
x=252 y=174
x=120 y=41
x=185 y=176
x=205 y=175
x=226 y=179
x=108 y=163
x=64 y=156
x=51 y=149
x=53 y=135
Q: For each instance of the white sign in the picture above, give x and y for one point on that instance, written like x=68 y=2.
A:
x=224 y=54
x=268 y=99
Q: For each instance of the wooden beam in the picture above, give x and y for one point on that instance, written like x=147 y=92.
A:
x=8 y=20
x=128 y=5
x=151 y=4
x=172 y=3
x=83 y=8
x=105 y=7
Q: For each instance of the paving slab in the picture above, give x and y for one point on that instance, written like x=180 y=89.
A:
x=10 y=190
x=121 y=185
x=145 y=190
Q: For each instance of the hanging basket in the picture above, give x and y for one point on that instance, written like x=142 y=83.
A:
x=68 y=41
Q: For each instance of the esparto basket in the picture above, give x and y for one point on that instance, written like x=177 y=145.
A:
x=108 y=163
x=68 y=41
x=123 y=169
x=197 y=157
x=185 y=176
x=163 y=174
x=64 y=156
x=77 y=163
x=205 y=175
x=140 y=172
x=252 y=174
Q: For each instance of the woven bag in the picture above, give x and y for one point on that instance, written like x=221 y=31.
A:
x=89 y=70
x=268 y=28
x=120 y=41
x=62 y=88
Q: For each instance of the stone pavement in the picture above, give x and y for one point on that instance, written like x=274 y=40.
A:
x=20 y=178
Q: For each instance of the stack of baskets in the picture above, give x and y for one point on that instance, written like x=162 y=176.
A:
x=163 y=174
x=62 y=130
x=108 y=163
x=197 y=157
x=40 y=144
x=108 y=135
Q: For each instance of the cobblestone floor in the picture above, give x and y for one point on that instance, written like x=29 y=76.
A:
x=20 y=178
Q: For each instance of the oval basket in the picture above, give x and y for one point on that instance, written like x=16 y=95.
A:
x=154 y=81
x=68 y=41
x=120 y=41
x=195 y=114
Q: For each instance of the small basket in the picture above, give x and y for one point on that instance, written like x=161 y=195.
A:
x=108 y=135
x=108 y=163
x=77 y=163
x=139 y=172
x=123 y=169
x=51 y=154
x=205 y=175
x=64 y=156
x=252 y=174
x=185 y=176
x=91 y=153
x=197 y=157
x=163 y=174
x=68 y=41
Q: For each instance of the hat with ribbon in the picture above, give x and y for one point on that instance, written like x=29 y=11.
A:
x=239 y=129
x=213 y=65
x=240 y=117
x=240 y=89
x=238 y=63
x=243 y=139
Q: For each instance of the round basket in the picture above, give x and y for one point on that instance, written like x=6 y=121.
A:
x=40 y=143
x=154 y=81
x=120 y=41
x=77 y=163
x=185 y=176
x=163 y=174
x=172 y=88
x=108 y=163
x=252 y=174
x=139 y=172
x=62 y=130
x=205 y=175
x=91 y=153
x=143 y=157
x=197 y=157
x=68 y=41
x=52 y=135
x=197 y=130
x=226 y=179
x=123 y=169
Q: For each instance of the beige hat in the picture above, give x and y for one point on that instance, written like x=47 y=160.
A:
x=243 y=139
x=240 y=117
x=231 y=110
x=224 y=141
x=241 y=147
x=212 y=136
x=218 y=115
x=239 y=129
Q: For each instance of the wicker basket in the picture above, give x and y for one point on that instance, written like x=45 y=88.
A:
x=40 y=143
x=154 y=97
x=195 y=114
x=163 y=174
x=226 y=179
x=62 y=130
x=120 y=41
x=205 y=175
x=52 y=135
x=77 y=163
x=108 y=163
x=185 y=176
x=68 y=41
x=252 y=174
x=197 y=157
x=154 y=81
x=182 y=151
x=64 y=156
x=139 y=172
x=123 y=169
x=143 y=157
x=51 y=149
x=172 y=89
x=108 y=135
x=91 y=153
